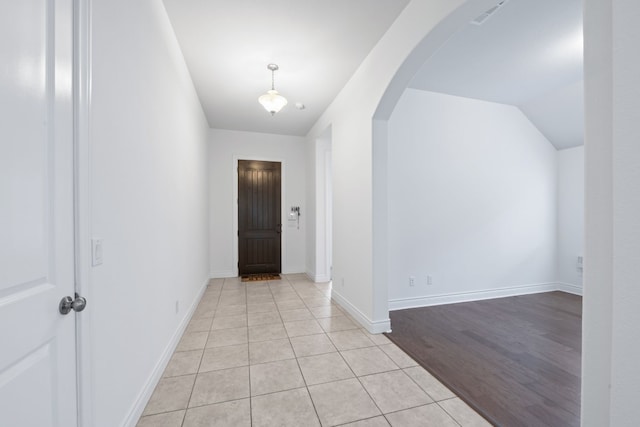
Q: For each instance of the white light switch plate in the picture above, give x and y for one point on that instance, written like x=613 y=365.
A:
x=96 y=252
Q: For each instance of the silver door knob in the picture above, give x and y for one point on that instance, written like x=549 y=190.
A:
x=67 y=304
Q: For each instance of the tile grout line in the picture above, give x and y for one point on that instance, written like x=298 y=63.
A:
x=260 y=296
x=248 y=358
x=447 y=412
x=383 y=414
x=350 y=369
x=362 y=385
x=365 y=389
x=421 y=388
x=304 y=380
x=201 y=357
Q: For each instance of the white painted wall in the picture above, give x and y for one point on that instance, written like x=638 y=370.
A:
x=611 y=337
x=418 y=31
x=625 y=371
x=224 y=147
x=312 y=210
x=570 y=216
x=319 y=194
x=471 y=201
x=149 y=204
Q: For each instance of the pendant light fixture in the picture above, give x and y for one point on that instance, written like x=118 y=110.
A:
x=272 y=101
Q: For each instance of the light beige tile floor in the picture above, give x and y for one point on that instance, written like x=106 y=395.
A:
x=280 y=353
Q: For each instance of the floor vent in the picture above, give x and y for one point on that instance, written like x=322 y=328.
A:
x=488 y=13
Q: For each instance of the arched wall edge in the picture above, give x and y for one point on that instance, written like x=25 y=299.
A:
x=431 y=42
x=359 y=180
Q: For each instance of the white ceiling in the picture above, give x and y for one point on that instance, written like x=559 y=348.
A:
x=559 y=115
x=528 y=54
x=317 y=44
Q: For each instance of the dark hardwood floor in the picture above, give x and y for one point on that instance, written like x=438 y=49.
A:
x=515 y=360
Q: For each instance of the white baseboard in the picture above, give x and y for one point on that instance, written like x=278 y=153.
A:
x=374 y=327
x=426 y=301
x=570 y=288
x=158 y=370
x=223 y=274
x=318 y=278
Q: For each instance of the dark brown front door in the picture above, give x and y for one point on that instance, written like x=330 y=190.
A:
x=259 y=217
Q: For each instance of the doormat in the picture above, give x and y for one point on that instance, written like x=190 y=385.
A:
x=259 y=277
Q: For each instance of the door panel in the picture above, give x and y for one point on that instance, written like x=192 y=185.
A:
x=259 y=217
x=38 y=358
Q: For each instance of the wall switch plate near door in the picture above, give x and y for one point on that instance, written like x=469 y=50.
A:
x=96 y=252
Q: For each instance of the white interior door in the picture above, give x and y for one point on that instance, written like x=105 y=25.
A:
x=37 y=343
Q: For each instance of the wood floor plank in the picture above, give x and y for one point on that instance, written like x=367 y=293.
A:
x=516 y=360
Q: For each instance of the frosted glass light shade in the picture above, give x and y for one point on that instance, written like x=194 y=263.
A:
x=272 y=101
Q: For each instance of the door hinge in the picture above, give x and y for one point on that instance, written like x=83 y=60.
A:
x=238 y=233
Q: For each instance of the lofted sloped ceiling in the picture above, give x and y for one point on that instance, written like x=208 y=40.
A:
x=559 y=115
x=318 y=45
x=527 y=53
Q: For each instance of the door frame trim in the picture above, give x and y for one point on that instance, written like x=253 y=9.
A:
x=234 y=202
x=328 y=214
x=82 y=73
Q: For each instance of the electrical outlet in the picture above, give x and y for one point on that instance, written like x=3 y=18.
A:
x=412 y=281
x=429 y=280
